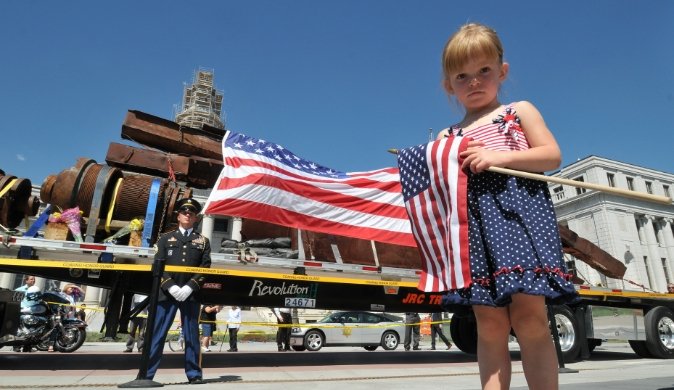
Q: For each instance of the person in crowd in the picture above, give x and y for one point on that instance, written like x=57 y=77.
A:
x=180 y=290
x=283 y=318
x=207 y=319
x=31 y=297
x=515 y=256
x=73 y=293
x=233 y=324
x=81 y=313
x=436 y=330
x=412 y=331
x=670 y=288
x=137 y=324
x=28 y=281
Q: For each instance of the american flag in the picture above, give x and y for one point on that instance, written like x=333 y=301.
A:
x=435 y=194
x=264 y=181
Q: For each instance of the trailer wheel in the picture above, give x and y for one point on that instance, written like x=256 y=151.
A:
x=567 y=330
x=463 y=330
x=639 y=347
x=659 y=323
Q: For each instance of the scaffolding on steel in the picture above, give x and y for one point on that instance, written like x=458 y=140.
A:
x=202 y=102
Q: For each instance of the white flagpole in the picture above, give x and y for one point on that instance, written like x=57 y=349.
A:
x=581 y=184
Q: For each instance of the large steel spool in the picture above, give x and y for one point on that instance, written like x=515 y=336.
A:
x=111 y=196
x=16 y=202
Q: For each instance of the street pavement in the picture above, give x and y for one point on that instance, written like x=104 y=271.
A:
x=100 y=365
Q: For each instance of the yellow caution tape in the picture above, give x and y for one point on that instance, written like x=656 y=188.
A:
x=207 y=271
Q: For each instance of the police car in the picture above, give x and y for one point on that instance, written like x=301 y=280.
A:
x=349 y=329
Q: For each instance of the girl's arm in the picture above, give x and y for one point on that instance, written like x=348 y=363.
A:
x=543 y=153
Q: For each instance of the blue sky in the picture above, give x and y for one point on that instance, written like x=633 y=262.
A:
x=337 y=82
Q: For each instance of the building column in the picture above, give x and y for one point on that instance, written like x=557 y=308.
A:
x=667 y=225
x=236 y=229
x=207 y=223
x=7 y=280
x=92 y=296
x=654 y=264
x=41 y=283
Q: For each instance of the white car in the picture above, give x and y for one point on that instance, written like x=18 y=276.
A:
x=349 y=329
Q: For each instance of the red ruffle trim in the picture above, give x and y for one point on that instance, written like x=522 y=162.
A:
x=538 y=271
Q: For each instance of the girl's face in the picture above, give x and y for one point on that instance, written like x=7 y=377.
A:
x=477 y=83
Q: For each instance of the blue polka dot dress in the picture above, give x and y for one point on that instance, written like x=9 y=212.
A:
x=513 y=236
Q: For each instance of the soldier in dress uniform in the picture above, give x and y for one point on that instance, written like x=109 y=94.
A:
x=179 y=290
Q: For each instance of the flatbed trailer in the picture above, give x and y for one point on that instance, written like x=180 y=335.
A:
x=265 y=282
x=645 y=319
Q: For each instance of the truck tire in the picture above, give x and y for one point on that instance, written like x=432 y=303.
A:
x=639 y=347
x=567 y=330
x=659 y=324
x=463 y=330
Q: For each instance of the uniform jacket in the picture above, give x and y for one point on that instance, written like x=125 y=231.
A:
x=191 y=251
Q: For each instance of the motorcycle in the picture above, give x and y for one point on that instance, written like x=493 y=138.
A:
x=45 y=323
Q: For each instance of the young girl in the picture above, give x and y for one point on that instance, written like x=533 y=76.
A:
x=515 y=250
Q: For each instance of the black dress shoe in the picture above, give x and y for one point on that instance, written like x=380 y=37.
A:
x=128 y=350
x=197 y=380
x=416 y=348
x=432 y=348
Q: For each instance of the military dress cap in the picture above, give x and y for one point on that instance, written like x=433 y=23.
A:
x=188 y=203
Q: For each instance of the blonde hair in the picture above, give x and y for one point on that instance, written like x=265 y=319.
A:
x=472 y=40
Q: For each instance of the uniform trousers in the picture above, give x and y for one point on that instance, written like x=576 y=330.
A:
x=189 y=315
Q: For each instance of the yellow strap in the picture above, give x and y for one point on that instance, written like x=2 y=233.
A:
x=7 y=187
x=112 y=205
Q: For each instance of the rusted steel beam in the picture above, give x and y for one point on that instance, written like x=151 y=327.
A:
x=170 y=137
x=196 y=171
x=591 y=254
x=356 y=251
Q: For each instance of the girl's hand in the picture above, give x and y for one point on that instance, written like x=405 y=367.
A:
x=478 y=159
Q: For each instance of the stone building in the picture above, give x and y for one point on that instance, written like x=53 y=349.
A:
x=637 y=232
